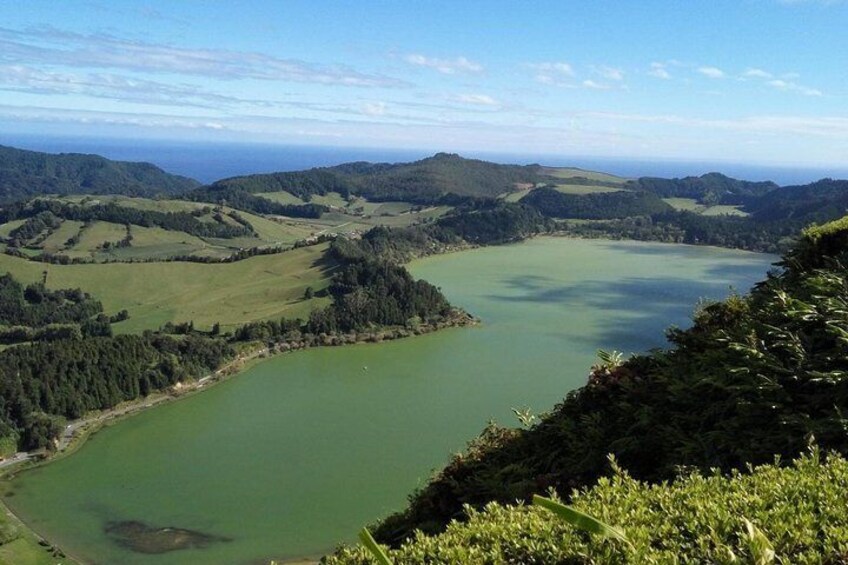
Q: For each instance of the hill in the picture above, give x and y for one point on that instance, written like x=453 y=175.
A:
x=709 y=189
x=820 y=201
x=24 y=174
x=423 y=182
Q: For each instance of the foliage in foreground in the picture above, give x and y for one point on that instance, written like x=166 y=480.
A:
x=753 y=378
x=798 y=511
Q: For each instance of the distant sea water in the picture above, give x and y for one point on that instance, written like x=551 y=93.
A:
x=207 y=162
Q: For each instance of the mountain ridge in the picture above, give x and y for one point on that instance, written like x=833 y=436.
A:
x=25 y=173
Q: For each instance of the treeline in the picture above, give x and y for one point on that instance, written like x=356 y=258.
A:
x=474 y=222
x=709 y=189
x=820 y=201
x=43 y=383
x=44 y=221
x=595 y=206
x=693 y=229
x=35 y=305
x=755 y=377
x=368 y=293
x=244 y=200
x=34 y=313
x=111 y=212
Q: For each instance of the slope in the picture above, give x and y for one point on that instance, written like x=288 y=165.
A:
x=29 y=173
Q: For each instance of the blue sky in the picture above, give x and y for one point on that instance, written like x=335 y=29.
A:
x=757 y=81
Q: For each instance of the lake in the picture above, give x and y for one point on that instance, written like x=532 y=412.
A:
x=302 y=450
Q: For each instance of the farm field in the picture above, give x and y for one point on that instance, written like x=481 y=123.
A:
x=691 y=205
x=586 y=189
x=56 y=241
x=258 y=288
x=155 y=243
x=573 y=172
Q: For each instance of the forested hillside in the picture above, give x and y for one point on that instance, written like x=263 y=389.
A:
x=756 y=377
x=600 y=206
x=711 y=188
x=423 y=182
x=24 y=174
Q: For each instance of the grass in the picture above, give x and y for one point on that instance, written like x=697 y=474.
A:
x=330 y=199
x=138 y=203
x=9 y=227
x=516 y=195
x=692 y=205
x=273 y=232
x=157 y=243
x=282 y=197
x=151 y=243
x=258 y=288
x=56 y=240
x=585 y=189
x=724 y=211
x=574 y=172
x=92 y=237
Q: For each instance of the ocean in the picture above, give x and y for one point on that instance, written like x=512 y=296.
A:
x=208 y=162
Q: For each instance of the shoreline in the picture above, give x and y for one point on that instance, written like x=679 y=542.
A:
x=76 y=433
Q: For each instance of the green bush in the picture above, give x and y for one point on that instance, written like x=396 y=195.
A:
x=798 y=510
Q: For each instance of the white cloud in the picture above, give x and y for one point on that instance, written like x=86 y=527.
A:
x=24 y=78
x=711 y=72
x=609 y=73
x=49 y=46
x=477 y=99
x=594 y=85
x=825 y=126
x=445 y=66
x=659 y=70
x=794 y=87
x=375 y=109
x=757 y=73
x=552 y=72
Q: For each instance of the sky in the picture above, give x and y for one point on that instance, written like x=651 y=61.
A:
x=748 y=81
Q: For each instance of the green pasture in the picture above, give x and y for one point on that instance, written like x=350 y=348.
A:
x=574 y=172
x=258 y=288
x=692 y=205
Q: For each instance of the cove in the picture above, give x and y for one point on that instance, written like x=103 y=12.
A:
x=299 y=452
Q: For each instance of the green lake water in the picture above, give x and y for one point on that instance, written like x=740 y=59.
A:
x=298 y=453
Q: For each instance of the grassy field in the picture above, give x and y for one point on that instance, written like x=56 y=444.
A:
x=8 y=227
x=691 y=205
x=282 y=197
x=137 y=203
x=573 y=172
x=586 y=189
x=56 y=240
x=157 y=243
x=258 y=288
x=95 y=235
x=517 y=195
